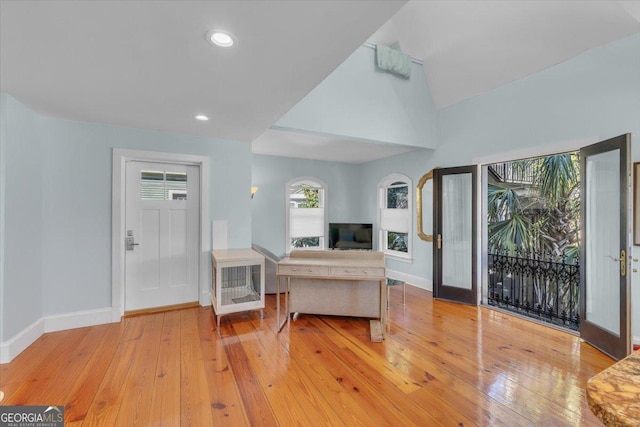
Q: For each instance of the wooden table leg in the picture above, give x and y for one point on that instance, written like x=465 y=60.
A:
x=286 y=303
x=286 y=299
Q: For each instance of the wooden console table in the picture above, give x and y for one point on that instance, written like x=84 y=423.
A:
x=339 y=283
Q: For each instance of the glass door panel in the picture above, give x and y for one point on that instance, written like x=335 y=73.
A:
x=457 y=226
x=603 y=241
x=455 y=213
x=604 y=287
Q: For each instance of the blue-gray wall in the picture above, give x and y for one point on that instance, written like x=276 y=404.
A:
x=22 y=287
x=358 y=101
x=57 y=207
x=592 y=97
x=57 y=176
x=3 y=118
x=271 y=174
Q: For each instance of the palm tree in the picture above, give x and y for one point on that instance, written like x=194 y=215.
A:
x=542 y=216
x=540 y=219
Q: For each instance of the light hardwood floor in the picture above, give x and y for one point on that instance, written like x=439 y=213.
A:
x=441 y=364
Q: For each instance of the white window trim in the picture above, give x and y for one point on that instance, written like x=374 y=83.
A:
x=315 y=182
x=382 y=234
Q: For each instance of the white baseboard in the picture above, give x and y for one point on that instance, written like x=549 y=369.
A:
x=205 y=298
x=58 y=322
x=23 y=339
x=419 y=282
x=79 y=319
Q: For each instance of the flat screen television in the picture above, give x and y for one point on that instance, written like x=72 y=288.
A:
x=343 y=236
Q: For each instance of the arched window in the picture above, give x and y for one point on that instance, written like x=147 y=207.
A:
x=395 y=201
x=306 y=213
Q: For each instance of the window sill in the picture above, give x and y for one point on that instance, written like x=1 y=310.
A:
x=307 y=248
x=401 y=258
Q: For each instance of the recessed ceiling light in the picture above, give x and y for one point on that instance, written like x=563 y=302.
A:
x=202 y=117
x=221 y=38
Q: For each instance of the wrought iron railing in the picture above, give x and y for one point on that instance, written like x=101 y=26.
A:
x=542 y=286
x=518 y=173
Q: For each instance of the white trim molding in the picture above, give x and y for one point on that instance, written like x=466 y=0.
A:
x=535 y=151
x=23 y=339
x=315 y=183
x=384 y=184
x=57 y=322
x=79 y=319
x=410 y=279
x=120 y=157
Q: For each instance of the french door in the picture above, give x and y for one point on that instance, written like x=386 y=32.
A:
x=604 y=258
x=455 y=229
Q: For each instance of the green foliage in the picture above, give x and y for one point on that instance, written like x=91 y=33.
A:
x=397 y=197
x=506 y=234
x=542 y=216
x=556 y=177
x=305 y=242
x=312 y=196
x=397 y=241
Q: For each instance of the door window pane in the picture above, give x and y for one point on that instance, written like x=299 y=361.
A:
x=603 y=245
x=457 y=226
x=176 y=186
x=163 y=185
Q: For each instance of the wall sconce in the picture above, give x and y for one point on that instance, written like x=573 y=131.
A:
x=254 y=190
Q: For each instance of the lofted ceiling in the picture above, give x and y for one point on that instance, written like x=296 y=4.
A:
x=470 y=47
x=146 y=64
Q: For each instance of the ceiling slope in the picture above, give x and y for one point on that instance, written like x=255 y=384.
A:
x=146 y=64
x=471 y=47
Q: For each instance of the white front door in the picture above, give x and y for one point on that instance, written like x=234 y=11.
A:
x=162 y=234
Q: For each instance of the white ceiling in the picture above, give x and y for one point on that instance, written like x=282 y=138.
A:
x=470 y=47
x=322 y=147
x=145 y=64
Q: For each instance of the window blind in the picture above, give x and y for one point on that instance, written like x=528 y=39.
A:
x=306 y=222
x=394 y=220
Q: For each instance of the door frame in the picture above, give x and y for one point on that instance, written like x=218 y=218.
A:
x=521 y=153
x=591 y=332
x=120 y=157
x=509 y=156
x=455 y=294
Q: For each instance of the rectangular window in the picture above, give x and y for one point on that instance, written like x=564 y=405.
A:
x=397 y=241
x=162 y=185
x=398 y=196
